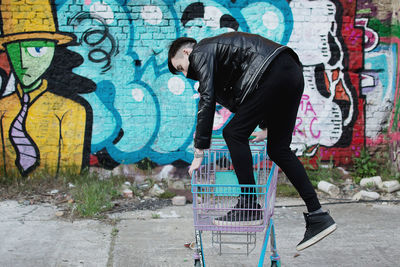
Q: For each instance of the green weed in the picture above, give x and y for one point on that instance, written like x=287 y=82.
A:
x=155 y=216
x=386 y=168
x=93 y=196
x=167 y=195
x=114 y=231
x=146 y=164
x=286 y=190
x=322 y=172
x=364 y=166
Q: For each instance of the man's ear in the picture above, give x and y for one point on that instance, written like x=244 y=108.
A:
x=187 y=50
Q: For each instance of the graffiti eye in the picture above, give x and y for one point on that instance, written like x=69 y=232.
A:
x=37 y=51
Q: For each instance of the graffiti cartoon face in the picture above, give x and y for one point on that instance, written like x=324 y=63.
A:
x=30 y=59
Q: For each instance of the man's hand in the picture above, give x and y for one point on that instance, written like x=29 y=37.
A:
x=196 y=163
x=259 y=136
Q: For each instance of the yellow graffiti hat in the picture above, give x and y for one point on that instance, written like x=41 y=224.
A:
x=29 y=20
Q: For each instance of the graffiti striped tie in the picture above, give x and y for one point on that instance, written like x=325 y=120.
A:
x=26 y=149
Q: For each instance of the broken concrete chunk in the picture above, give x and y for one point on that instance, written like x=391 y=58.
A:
x=156 y=190
x=329 y=188
x=366 y=195
x=166 y=172
x=178 y=185
x=59 y=213
x=124 y=187
x=343 y=170
x=179 y=200
x=54 y=191
x=348 y=181
x=144 y=186
x=371 y=181
x=391 y=186
x=127 y=193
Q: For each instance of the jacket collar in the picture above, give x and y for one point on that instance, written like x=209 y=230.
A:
x=191 y=74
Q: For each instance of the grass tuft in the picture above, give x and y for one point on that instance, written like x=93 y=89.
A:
x=167 y=195
x=93 y=195
x=286 y=190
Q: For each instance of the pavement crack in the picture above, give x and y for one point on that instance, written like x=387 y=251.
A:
x=114 y=235
x=29 y=212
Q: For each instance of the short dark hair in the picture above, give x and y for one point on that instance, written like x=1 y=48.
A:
x=173 y=49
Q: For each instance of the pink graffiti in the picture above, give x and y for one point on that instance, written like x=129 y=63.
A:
x=372 y=37
x=296 y=128
x=353 y=34
x=88 y=2
x=306 y=106
x=383 y=139
x=356 y=150
x=225 y=113
x=311 y=130
x=304 y=97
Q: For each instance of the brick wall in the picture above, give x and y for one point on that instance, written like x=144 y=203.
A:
x=349 y=49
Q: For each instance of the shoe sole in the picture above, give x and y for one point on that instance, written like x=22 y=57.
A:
x=317 y=237
x=241 y=223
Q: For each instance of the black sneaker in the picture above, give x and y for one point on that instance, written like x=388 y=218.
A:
x=318 y=226
x=247 y=212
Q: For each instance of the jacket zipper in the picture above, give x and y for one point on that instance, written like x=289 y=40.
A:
x=262 y=66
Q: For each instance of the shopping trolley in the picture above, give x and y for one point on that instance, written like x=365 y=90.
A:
x=215 y=192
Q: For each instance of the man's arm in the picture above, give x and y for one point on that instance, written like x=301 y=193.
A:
x=204 y=64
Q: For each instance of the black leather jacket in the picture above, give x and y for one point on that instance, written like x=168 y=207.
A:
x=228 y=67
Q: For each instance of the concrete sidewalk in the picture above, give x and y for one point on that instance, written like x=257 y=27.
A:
x=367 y=235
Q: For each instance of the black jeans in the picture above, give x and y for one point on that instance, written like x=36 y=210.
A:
x=276 y=101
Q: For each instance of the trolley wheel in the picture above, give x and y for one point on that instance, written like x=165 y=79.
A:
x=197 y=263
x=275 y=263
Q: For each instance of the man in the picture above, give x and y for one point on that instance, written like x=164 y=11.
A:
x=262 y=83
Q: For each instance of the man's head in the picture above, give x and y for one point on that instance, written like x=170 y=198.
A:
x=178 y=55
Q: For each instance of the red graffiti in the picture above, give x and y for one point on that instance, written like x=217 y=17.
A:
x=4 y=63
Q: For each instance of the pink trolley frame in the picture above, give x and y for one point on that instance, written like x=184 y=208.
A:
x=215 y=192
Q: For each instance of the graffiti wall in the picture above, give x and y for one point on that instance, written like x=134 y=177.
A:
x=45 y=124
x=381 y=73
x=86 y=83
